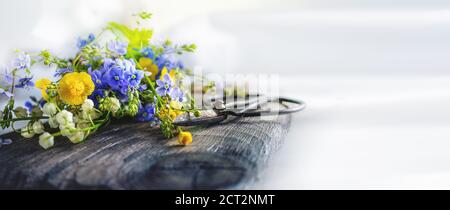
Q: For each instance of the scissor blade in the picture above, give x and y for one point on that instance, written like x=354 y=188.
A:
x=206 y=117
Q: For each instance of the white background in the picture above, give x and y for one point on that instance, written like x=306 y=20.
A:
x=375 y=75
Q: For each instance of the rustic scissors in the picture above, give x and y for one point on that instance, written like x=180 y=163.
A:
x=249 y=106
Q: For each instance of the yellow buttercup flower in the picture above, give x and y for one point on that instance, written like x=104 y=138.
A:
x=42 y=84
x=171 y=73
x=75 y=87
x=184 y=138
x=173 y=115
x=176 y=105
x=148 y=65
x=175 y=110
x=170 y=113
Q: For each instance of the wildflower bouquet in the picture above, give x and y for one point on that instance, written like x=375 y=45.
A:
x=124 y=77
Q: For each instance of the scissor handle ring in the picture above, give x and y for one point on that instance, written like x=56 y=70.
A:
x=300 y=105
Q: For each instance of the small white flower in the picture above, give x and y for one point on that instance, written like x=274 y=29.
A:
x=27 y=132
x=110 y=104
x=46 y=140
x=38 y=128
x=67 y=129
x=85 y=115
x=84 y=124
x=115 y=105
x=64 y=117
x=76 y=137
x=87 y=105
x=77 y=118
x=53 y=122
x=90 y=115
x=49 y=109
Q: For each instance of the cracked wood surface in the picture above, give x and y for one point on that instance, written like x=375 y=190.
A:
x=130 y=155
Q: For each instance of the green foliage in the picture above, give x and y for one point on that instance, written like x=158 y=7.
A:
x=85 y=118
x=48 y=59
x=144 y=15
x=167 y=128
x=133 y=104
x=5 y=122
x=189 y=48
x=136 y=37
x=178 y=49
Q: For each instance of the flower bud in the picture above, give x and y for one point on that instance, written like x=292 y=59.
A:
x=49 y=109
x=36 y=112
x=133 y=109
x=46 y=140
x=76 y=137
x=91 y=114
x=67 y=129
x=184 y=138
x=27 y=132
x=84 y=124
x=110 y=104
x=115 y=105
x=197 y=113
x=38 y=128
x=87 y=105
x=20 y=112
x=64 y=117
x=53 y=122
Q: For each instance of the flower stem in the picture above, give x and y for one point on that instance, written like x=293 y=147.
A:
x=153 y=89
x=23 y=119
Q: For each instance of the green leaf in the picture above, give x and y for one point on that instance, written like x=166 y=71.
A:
x=189 y=48
x=144 y=15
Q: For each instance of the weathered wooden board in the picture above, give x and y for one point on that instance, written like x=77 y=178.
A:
x=129 y=155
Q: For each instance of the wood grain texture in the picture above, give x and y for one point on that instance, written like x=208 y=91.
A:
x=129 y=155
